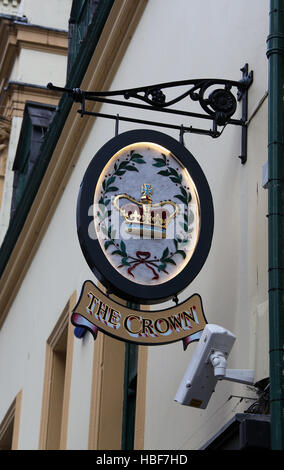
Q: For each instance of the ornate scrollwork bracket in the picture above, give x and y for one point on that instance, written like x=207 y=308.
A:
x=218 y=99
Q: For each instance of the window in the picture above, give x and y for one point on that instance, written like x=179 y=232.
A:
x=57 y=382
x=36 y=119
x=9 y=428
x=81 y=16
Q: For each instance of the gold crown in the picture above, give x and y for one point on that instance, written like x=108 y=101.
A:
x=144 y=218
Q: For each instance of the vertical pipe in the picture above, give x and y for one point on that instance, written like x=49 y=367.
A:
x=130 y=389
x=275 y=55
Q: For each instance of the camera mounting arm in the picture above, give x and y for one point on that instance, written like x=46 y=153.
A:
x=219 y=362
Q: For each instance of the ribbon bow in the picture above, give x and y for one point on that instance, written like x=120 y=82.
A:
x=142 y=259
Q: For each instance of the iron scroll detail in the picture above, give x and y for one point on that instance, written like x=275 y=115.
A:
x=218 y=99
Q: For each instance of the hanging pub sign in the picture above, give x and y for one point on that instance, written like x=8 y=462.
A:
x=145 y=225
x=95 y=311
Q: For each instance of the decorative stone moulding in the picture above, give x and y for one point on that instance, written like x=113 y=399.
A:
x=9 y=7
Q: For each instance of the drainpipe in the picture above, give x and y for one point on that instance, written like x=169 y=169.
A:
x=275 y=55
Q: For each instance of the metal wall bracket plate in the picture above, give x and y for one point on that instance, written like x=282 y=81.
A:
x=218 y=99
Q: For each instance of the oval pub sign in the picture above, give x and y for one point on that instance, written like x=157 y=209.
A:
x=145 y=217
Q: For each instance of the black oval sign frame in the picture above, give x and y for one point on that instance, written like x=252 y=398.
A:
x=111 y=279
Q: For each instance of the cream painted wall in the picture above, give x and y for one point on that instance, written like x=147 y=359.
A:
x=39 y=68
x=9 y=7
x=54 y=13
x=182 y=40
x=174 y=41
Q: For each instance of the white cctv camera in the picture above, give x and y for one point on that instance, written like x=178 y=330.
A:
x=207 y=366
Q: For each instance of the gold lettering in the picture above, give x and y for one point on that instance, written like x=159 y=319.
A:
x=93 y=303
x=114 y=317
x=147 y=325
x=158 y=326
x=175 y=321
x=103 y=311
x=187 y=317
x=128 y=324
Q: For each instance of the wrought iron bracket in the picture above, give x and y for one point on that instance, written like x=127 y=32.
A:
x=218 y=99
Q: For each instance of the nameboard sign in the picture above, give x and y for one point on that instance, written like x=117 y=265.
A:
x=96 y=311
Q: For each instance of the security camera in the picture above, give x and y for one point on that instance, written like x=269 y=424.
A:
x=207 y=366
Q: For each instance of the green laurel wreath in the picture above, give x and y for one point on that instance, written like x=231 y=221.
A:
x=185 y=198
x=104 y=212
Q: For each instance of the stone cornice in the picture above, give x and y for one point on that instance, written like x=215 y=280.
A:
x=16 y=94
x=5 y=127
x=15 y=35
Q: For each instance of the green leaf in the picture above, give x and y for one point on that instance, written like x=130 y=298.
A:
x=120 y=172
x=136 y=157
x=123 y=165
x=110 y=180
x=163 y=173
x=162 y=266
x=125 y=262
x=183 y=191
x=118 y=252
x=108 y=243
x=138 y=160
x=175 y=180
x=122 y=246
x=165 y=253
x=131 y=168
x=182 y=253
x=181 y=198
x=159 y=162
x=184 y=226
x=111 y=188
x=169 y=260
x=174 y=172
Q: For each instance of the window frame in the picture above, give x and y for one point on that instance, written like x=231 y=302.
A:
x=53 y=341
x=12 y=418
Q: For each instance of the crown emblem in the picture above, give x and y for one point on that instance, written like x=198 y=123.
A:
x=144 y=218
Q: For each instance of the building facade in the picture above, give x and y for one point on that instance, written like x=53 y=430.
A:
x=60 y=389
